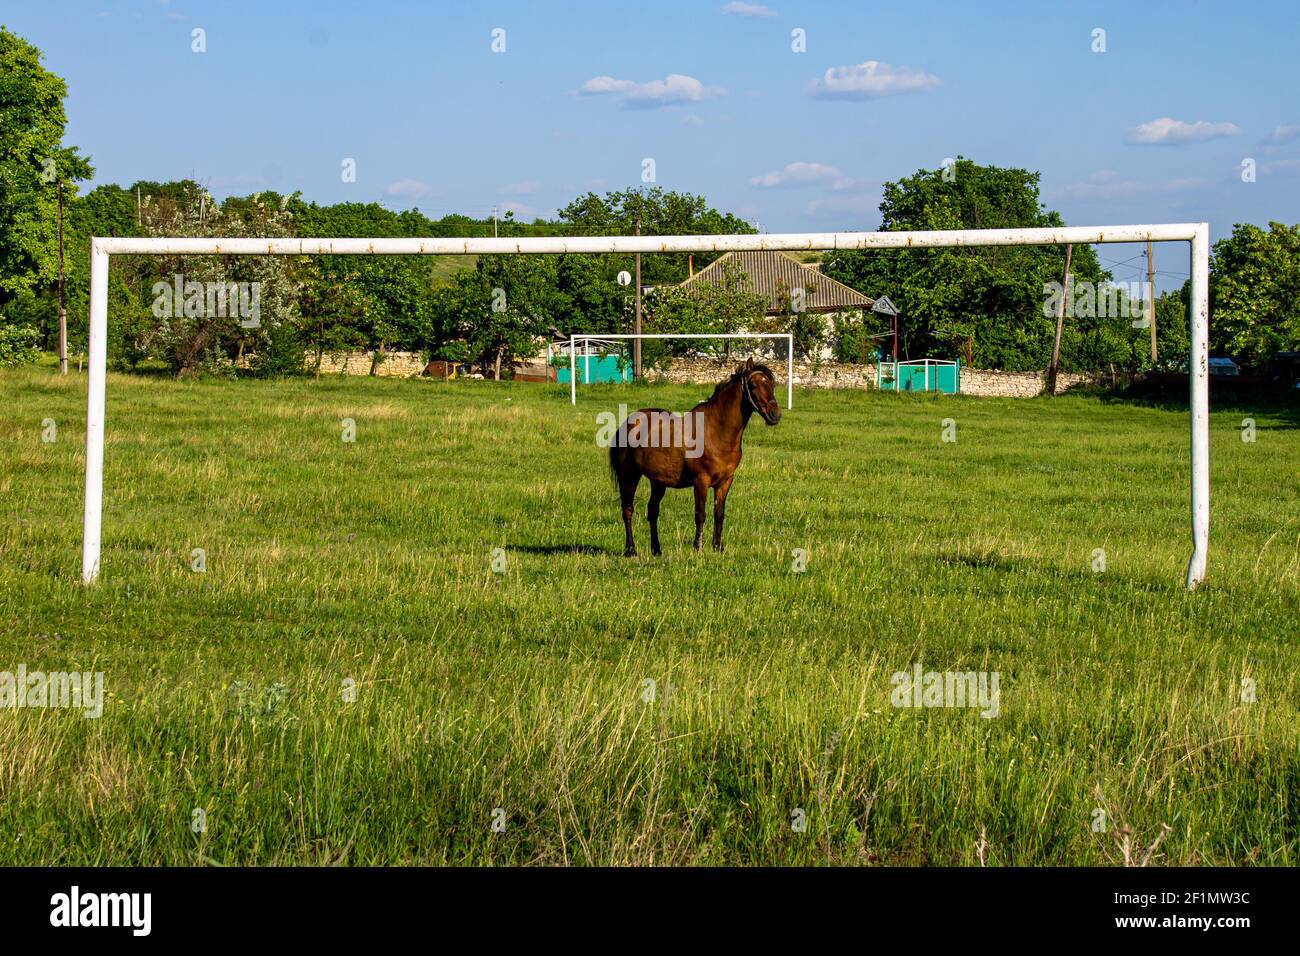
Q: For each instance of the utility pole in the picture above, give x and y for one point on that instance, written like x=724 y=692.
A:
x=63 y=294
x=494 y=222
x=1060 y=321
x=1151 y=299
x=636 y=350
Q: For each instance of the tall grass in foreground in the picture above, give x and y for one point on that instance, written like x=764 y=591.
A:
x=509 y=717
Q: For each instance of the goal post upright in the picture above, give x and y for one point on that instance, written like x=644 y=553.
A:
x=96 y=374
x=1197 y=234
x=789 y=371
x=1198 y=374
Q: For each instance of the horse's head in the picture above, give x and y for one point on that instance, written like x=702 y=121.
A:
x=758 y=384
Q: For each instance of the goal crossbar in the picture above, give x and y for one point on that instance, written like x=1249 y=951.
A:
x=1196 y=234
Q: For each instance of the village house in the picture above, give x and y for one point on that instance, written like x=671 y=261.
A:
x=788 y=285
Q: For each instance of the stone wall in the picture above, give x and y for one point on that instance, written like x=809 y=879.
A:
x=842 y=375
x=701 y=371
x=1015 y=384
x=395 y=364
x=707 y=371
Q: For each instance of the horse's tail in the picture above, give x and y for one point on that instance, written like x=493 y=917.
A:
x=617 y=449
x=615 y=459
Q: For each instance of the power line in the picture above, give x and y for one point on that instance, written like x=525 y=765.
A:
x=1138 y=269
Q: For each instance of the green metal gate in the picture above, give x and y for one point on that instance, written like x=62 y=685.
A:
x=919 y=375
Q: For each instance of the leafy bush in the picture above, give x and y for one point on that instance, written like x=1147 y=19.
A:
x=281 y=355
x=18 y=344
x=854 y=337
x=213 y=363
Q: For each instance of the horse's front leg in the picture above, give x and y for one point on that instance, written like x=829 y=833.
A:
x=627 y=482
x=652 y=514
x=720 y=509
x=701 y=499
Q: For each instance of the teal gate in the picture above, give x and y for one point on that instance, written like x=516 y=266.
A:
x=920 y=375
x=594 y=368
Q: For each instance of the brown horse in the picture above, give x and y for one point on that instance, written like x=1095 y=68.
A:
x=698 y=450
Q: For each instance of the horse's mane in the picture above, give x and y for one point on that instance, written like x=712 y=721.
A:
x=736 y=376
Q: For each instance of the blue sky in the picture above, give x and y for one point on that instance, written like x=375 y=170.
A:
x=1155 y=128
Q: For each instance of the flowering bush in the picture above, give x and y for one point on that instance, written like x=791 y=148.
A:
x=17 y=344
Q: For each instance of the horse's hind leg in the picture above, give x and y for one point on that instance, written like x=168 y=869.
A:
x=720 y=510
x=701 y=499
x=652 y=514
x=628 y=478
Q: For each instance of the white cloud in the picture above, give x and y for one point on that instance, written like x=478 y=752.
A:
x=748 y=9
x=799 y=174
x=870 y=80
x=1284 y=134
x=676 y=88
x=605 y=84
x=1171 y=132
x=408 y=189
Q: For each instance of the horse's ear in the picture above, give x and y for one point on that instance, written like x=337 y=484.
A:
x=749 y=364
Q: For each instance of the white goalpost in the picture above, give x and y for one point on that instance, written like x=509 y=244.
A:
x=585 y=340
x=1196 y=234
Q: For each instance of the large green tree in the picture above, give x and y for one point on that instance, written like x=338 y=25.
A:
x=984 y=304
x=1255 y=292
x=193 y=329
x=496 y=312
x=31 y=128
x=107 y=210
x=660 y=213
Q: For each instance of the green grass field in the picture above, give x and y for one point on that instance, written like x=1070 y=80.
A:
x=520 y=698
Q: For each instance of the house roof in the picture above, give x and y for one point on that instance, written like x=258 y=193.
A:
x=774 y=274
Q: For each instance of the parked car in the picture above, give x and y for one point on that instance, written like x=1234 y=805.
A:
x=1284 y=369
x=1218 y=365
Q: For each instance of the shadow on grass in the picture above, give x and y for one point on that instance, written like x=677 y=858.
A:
x=993 y=561
x=553 y=549
x=1282 y=404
